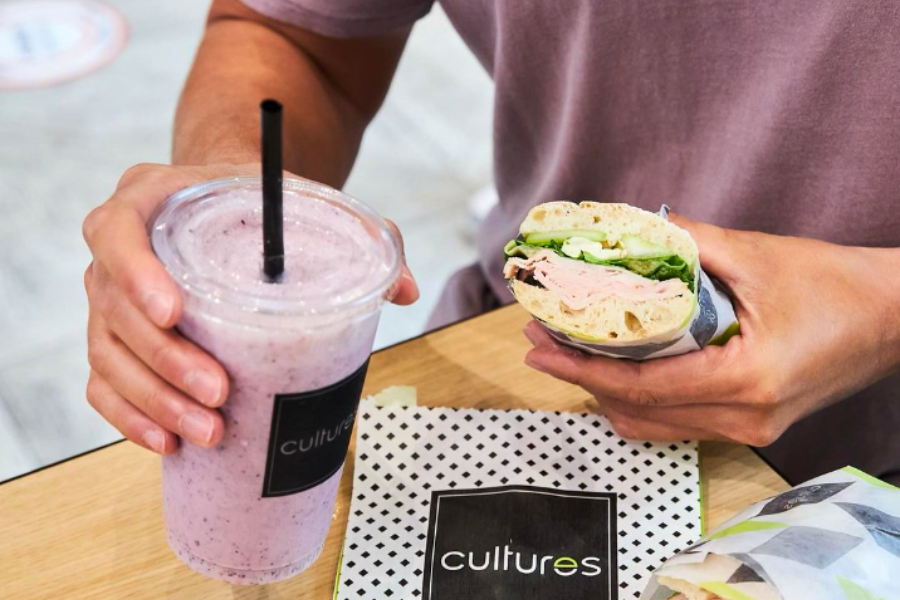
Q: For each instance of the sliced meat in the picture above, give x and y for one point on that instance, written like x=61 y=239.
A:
x=579 y=284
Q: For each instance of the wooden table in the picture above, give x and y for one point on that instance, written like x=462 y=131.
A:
x=92 y=527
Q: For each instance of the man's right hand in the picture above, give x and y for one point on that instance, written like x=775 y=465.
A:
x=149 y=382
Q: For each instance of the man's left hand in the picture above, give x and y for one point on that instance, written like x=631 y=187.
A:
x=819 y=322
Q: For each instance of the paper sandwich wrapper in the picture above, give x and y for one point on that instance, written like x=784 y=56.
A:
x=713 y=322
x=836 y=537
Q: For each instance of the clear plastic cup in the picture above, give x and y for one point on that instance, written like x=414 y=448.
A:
x=257 y=507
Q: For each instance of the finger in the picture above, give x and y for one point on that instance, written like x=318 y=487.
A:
x=130 y=422
x=538 y=335
x=144 y=187
x=633 y=428
x=717 y=421
x=406 y=290
x=533 y=333
x=116 y=233
x=117 y=237
x=396 y=230
x=719 y=250
x=727 y=255
x=88 y=277
x=168 y=354
x=704 y=377
x=135 y=382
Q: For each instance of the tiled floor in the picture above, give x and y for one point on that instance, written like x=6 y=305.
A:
x=62 y=152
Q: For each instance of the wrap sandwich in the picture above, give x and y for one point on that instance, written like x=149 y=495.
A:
x=616 y=280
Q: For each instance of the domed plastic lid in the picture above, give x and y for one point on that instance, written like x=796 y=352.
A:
x=340 y=256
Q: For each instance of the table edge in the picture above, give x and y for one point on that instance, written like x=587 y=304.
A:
x=122 y=439
x=424 y=334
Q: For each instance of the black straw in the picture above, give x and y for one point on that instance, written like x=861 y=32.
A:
x=272 y=181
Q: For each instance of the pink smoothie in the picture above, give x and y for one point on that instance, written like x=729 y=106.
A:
x=310 y=330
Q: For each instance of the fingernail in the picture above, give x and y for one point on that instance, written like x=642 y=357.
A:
x=159 y=307
x=407 y=275
x=204 y=386
x=197 y=427
x=156 y=440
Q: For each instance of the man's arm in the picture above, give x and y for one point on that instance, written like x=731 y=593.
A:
x=331 y=89
x=149 y=382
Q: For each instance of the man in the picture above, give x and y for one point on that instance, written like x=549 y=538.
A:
x=765 y=116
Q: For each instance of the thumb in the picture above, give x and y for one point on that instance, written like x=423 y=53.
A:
x=718 y=250
x=405 y=290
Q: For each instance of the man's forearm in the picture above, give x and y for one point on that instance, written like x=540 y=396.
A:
x=888 y=279
x=242 y=61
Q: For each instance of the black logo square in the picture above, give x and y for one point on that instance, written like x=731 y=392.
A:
x=310 y=434
x=521 y=543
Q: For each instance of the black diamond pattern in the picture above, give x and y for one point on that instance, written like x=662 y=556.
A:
x=657 y=486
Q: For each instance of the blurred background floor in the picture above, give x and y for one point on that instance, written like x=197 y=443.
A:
x=64 y=148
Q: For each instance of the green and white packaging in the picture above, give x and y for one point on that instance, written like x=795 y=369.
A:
x=836 y=537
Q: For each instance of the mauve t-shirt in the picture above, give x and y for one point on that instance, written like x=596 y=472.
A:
x=773 y=115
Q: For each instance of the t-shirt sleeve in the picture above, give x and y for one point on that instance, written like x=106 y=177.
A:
x=344 y=18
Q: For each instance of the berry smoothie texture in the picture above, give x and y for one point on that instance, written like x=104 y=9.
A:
x=311 y=329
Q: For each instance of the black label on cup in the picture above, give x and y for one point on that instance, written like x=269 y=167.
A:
x=310 y=435
x=521 y=542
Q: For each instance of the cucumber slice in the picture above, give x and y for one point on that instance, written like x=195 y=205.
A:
x=547 y=238
x=516 y=249
x=579 y=247
x=603 y=257
x=636 y=247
